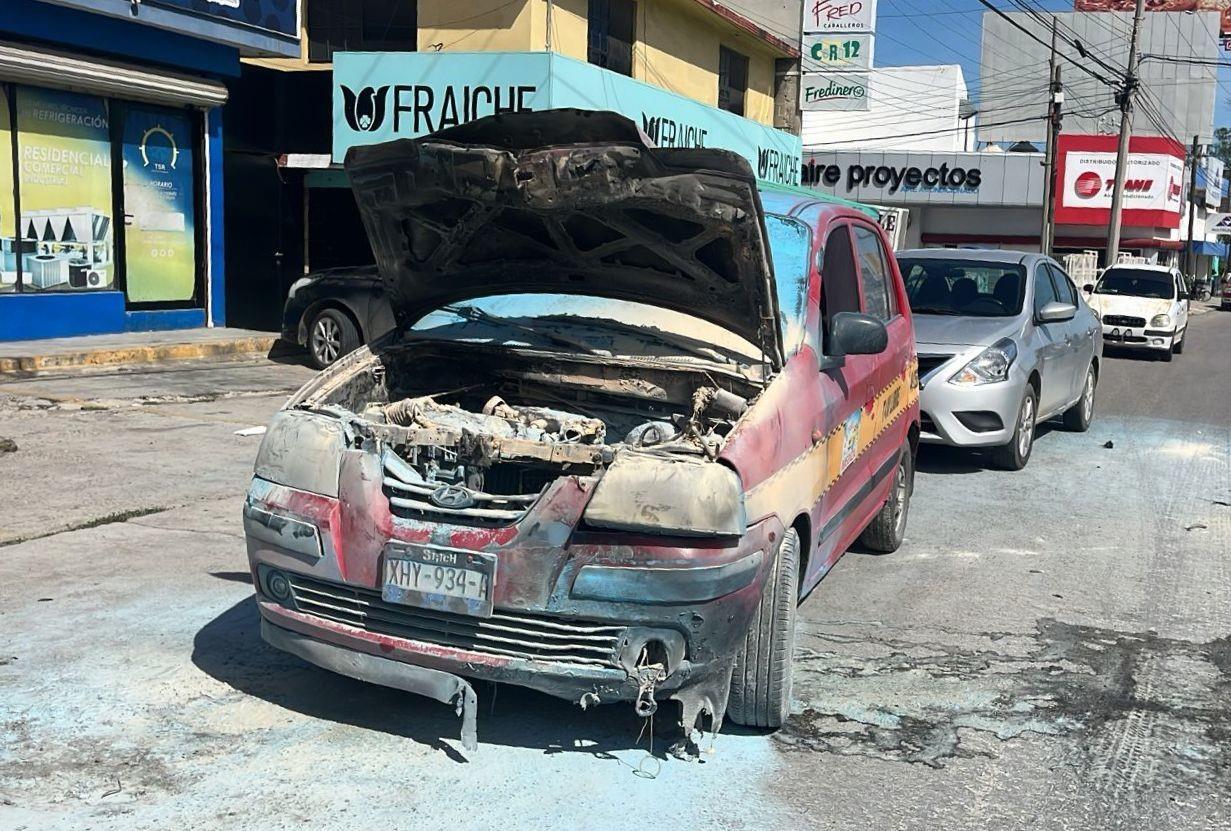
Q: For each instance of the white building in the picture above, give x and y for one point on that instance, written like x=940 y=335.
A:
x=909 y=108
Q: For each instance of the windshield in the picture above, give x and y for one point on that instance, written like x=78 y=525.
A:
x=970 y=288
x=593 y=325
x=1137 y=282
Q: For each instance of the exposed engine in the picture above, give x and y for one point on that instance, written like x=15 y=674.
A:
x=486 y=451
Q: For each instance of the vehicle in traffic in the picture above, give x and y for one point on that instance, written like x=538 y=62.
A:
x=1142 y=307
x=333 y=312
x=1005 y=342
x=1224 y=302
x=627 y=420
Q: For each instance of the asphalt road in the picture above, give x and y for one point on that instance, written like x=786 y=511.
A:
x=1050 y=649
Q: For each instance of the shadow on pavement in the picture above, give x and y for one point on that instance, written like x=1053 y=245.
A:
x=233 y=576
x=943 y=459
x=1127 y=353
x=229 y=648
x=285 y=352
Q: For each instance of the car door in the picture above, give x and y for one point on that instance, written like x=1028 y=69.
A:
x=845 y=391
x=1049 y=345
x=879 y=287
x=1181 y=294
x=1078 y=335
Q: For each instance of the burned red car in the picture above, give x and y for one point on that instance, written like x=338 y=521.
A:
x=634 y=409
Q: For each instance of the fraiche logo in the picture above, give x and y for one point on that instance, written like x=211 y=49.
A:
x=365 y=111
x=1088 y=185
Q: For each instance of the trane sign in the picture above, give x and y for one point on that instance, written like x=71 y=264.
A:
x=1153 y=185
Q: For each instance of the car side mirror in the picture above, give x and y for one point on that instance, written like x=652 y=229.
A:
x=853 y=333
x=1088 y=288
x=1056 y=312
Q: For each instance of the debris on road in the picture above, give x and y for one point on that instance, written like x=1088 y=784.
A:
x=7 y=445
x=1109 y=444
x=251 y=431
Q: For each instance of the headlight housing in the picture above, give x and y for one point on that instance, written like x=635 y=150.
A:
x=660 y=495
x=301 y=450
x=989 y=366
x=1162 y=321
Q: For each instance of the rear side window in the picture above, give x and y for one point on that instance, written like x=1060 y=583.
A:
x=874 y=273
x=839 y=279
x=1065 y=291
x=1044 y=291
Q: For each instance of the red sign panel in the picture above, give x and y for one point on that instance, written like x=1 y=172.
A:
x=1221 y=6
x=1153 y=183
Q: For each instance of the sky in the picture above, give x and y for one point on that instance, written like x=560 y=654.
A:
x=949 y=31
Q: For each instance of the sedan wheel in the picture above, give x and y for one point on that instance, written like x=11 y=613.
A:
x=1015 y=454
x=330 y=336
x=1078 y=417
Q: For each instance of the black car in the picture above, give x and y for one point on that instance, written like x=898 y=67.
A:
x=335 y=311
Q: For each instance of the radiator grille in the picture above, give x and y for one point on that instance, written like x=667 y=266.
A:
x=927 y=363
x=1124 y=320
x=515 y=635
x=411 y=496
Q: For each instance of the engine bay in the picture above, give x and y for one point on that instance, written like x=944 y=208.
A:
x=477 y=432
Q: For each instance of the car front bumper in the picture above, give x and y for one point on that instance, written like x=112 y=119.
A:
x=980 y=416
x=575 y=618
x=1138 y=338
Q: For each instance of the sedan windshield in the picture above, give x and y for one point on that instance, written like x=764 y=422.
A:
x=1137 y=282
x=969 y=288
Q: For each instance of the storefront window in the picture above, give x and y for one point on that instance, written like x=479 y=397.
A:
x=8 y=217
x=159 y=237
x=66 y=222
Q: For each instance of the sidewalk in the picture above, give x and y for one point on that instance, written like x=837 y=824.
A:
x=94 y=353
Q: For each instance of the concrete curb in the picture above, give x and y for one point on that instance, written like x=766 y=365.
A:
x=29 y=366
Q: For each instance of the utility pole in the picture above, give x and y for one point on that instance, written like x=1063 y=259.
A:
x=1055 y=99
x=1126 y=129
x=1190 y=262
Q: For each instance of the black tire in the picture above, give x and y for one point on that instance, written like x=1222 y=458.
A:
x=1178 y=346
x=331 y=334
x=887 y=529
x=1167 y=355
x=1078 y=417
x=761 y=683
x=1015 y=454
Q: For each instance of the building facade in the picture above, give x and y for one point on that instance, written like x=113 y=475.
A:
x=112 y=202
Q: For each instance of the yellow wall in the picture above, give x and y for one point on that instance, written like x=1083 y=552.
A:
x=677 y=42
x=476 y=26
x=677 y=49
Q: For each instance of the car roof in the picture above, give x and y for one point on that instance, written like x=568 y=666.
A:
x=985 y=255
x=791 y=201
x=1162 y=269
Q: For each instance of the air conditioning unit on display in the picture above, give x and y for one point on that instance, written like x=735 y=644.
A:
x=47 y=270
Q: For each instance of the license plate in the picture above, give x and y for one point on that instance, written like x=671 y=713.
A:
x=436 y=577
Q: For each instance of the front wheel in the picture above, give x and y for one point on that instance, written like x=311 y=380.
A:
x=1015 y=454
x=887 y=529
x=331 y=334
x=761 y=683
x=1078 y=417
x=1178 y=346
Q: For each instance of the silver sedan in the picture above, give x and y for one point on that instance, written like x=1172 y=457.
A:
x=1005 y=341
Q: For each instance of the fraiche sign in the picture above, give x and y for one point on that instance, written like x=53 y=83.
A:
x=1153 y=185
x=839 y=15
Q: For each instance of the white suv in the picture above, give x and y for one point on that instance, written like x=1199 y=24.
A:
x=1143 y=307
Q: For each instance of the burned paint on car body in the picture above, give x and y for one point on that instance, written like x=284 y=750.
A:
x=598 y=459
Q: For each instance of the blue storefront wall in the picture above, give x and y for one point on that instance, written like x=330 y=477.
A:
x=29 y=315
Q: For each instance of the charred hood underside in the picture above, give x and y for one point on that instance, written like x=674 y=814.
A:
x=572 y=202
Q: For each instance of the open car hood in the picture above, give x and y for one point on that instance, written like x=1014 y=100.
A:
x=567 y=201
